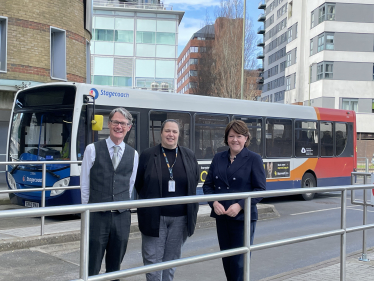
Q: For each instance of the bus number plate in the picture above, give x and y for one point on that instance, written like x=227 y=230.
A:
x=31 y=204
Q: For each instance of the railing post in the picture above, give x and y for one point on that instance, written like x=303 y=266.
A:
x=247 y=239
x=43 y=196
x=343 y=237
x=367 y=165
x=85 y=227
x=364 y=206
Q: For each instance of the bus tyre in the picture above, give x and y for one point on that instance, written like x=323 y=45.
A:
x=308 y=181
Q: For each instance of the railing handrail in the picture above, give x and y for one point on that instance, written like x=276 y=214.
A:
x=142 y=203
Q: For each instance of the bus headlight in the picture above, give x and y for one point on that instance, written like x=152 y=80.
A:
x=11 y=181
x=61 y=183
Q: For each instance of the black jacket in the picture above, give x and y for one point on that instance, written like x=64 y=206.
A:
x=148 y=184
x=245 y=174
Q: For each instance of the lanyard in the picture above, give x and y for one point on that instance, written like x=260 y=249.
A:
x=167 y=162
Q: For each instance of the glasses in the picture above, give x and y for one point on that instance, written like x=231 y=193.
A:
x=123 y=124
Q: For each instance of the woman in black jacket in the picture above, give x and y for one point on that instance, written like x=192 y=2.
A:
x=235 y=170
x=166 y=170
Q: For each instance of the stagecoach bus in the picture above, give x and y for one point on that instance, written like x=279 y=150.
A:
x=301 y=146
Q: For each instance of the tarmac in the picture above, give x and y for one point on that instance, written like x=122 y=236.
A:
x=69 y=231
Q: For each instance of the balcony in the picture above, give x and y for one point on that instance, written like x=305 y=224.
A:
x=131 y=5
x=260 y=55
x=261 y=30
x=260 y=80
x=262 y=4
x=261 y=17
x=260 y=67
x=260 y=43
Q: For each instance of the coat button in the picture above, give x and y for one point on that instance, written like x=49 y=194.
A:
x=219 y=187
x=234 y=179
x=216 y=177
x=228 y=187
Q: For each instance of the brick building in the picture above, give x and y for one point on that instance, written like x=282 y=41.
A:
x=41 y=41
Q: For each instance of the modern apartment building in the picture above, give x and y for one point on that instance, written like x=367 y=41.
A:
x=135 y=44
x=322 y=53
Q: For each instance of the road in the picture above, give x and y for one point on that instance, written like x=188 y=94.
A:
x=60 y=262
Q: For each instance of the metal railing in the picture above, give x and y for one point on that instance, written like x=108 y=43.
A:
x=85 y=210
x=43 y=188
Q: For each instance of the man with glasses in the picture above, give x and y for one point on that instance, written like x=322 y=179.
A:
x=108 y=174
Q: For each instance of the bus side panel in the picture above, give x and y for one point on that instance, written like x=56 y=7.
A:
x=338 y=181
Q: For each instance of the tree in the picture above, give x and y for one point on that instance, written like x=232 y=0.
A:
x=219 y=68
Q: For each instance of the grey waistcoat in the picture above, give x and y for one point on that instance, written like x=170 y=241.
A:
x=107 y=184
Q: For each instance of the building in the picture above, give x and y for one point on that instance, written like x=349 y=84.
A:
x=320 y=53
x=40 y=42
x=189 y=58
x=135 y=44
x=197 y=74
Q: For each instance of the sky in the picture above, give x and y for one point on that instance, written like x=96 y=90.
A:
x=195 y=15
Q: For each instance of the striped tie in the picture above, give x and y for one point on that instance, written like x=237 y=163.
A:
x=115 y=158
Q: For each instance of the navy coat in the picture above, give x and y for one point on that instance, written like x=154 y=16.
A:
x=245 y=174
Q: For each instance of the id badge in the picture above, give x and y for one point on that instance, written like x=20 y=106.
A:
x=171 y=186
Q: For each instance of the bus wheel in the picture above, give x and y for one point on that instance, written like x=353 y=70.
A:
x=308 y=181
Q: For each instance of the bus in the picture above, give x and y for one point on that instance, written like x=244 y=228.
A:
x=301 y=146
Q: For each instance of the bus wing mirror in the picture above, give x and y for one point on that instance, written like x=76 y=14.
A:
x=97 y=123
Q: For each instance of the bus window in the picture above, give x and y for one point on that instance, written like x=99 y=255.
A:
x=326 y=139
x=130 y=137
x=278 y=137
x=209 y=135
x=157 y=117
x=306 y=139
x=255 y=127
x=340 y=137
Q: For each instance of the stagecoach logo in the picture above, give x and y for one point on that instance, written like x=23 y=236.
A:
x=31 y=180
x=94 y=93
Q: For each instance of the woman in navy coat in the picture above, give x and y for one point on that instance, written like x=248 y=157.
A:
x=235 y=170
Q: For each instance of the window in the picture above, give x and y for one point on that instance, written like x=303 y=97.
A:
x=194 y=61
x=311 y=47
x=329 y=41
x=290 y=9
x=165 y=38
x=288 y=62
x=202 y=49
x=294 y=85
x=3 y=43
x=157 y=117
x=145 y=37
x=321 y=42
x=289 y=34
x=326 y=12
x=306 y=139
x=295 y=55
x=193 y=72
x=330 y=12
x=194 y=49
x=312 y=20
x=278 y=137
x=209 y=129
x=58 y=53
x=350 y=104
x=325 y=70
x=340 y=137
x=288 y=83
x=125 y=36
x=328 y=70
x=255 y=128
x=326 y=139
x=372 y=106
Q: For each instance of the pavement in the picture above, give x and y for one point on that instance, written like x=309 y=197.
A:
x=330 y=270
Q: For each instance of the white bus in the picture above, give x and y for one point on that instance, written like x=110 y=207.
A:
x=301 y=146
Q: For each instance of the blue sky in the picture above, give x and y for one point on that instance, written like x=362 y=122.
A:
x=195 y=14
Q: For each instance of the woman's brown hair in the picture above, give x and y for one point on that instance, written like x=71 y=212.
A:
x=239 y=127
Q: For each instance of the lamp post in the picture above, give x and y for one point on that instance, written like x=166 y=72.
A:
x=243 y=39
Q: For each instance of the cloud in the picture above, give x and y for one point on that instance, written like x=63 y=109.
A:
x=187 y=27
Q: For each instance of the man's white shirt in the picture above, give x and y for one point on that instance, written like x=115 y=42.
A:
x=89 y=160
